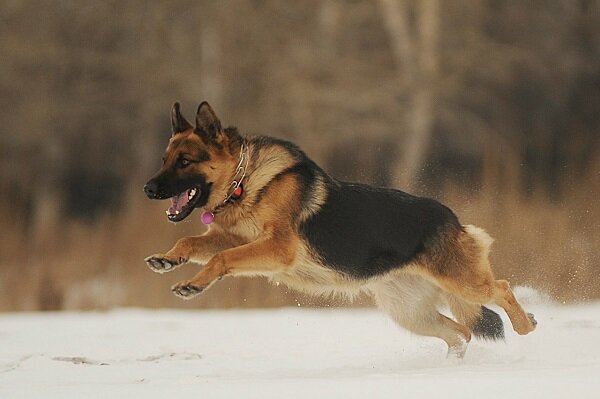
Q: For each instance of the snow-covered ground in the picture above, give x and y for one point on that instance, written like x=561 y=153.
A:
x=288 y=353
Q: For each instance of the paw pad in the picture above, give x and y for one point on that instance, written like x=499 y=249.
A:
x=532 y=319
x=186 y=290
x=161 y=265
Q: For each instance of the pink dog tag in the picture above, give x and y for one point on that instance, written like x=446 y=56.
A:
x=207 y=217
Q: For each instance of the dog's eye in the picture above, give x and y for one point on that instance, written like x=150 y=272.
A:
x=183 y=162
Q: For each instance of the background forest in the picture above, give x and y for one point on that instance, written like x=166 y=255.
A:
x=492 y=107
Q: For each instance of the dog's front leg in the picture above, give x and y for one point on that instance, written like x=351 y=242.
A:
x=263 y=255
x=198 y=249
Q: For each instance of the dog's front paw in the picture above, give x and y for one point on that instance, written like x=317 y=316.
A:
x=186 y=290
x=162 y=263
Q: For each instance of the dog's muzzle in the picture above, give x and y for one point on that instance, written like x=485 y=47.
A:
x=151 y=189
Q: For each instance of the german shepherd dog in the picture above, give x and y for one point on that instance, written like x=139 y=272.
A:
x=272 y=211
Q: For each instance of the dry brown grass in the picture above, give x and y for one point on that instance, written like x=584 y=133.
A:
x=550 y=246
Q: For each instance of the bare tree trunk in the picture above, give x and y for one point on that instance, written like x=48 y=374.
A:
x=395 y=17
x=329 y=18
x=417 y=61
x=212 y=81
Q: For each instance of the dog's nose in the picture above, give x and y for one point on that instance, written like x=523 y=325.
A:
x=151 y=189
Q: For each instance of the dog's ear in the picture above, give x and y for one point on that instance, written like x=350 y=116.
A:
x=207 y=123
x=178 y=122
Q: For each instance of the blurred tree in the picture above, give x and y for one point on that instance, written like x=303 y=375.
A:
x=426 y=95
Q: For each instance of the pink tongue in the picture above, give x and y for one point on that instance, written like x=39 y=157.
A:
x=177 y=203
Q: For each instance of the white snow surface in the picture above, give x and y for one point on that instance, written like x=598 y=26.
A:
x=289 y=353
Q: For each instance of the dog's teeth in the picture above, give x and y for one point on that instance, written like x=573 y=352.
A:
x=167 y=212
x=177 y=212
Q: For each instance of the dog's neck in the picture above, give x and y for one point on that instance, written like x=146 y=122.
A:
x=236 y=187
x=241 y=169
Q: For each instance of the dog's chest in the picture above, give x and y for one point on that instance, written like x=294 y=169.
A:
x=243 y=221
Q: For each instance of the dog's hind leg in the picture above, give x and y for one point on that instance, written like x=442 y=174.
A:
x=412 y=302
x=483 y=322
x=461 y=267
x=483 y=290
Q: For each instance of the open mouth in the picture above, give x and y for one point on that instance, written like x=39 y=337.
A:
x=183 y=204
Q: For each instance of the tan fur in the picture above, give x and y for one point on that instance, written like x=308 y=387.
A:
x=309 y=276
x=412 y=302
x=274 y=251
x=466 y=313
x=219 y=169
x=199 y=249
x=245 y=219
x=459 y=265
x=317 y=196
x=259 y=236
x=266 y=162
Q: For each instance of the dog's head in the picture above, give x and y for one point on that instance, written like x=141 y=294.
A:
x=197 y=163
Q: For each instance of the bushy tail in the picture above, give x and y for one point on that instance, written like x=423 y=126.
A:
x=489 y=326
x=483 y=322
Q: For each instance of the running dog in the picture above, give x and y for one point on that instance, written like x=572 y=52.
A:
x=271 y=211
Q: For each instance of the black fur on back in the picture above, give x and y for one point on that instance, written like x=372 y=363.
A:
x=490 y=325
x=361 y=230
x=365 y=231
